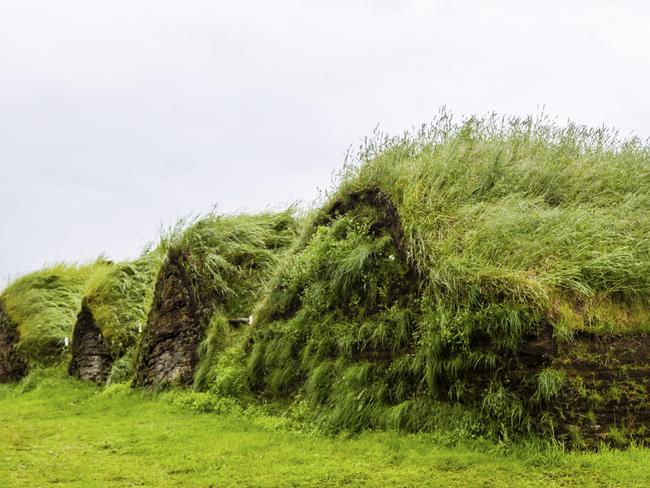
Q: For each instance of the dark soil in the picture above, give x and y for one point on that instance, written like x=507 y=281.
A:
x=608 y=393
x=12 y=368
x=91 y=357
x=168 y=353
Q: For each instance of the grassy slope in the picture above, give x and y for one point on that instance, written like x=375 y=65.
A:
x=68 y=433
x=521 y=211
x=509 y=226
x=119 y=298
x=44 y=304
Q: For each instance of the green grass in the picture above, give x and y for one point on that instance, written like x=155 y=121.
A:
x=44 y=306
x=119 y=298
x=438 y=255
x=228 y=256
x=58 y=432
x=411 y=292
x=226 y=261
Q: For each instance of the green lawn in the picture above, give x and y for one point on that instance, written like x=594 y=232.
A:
x=64 y=433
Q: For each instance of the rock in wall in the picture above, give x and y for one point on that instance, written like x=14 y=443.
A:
x=607 y=396
x=91 y=357
x=12 y=367
x=168 y=352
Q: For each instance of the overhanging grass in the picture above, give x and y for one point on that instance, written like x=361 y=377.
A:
x=119 y=298
x=233 y=257
x=44 y=305
x=229 y=256
x=439 y=254
x=216 y=266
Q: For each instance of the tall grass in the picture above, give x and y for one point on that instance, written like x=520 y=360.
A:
x=505 y=227
x=119 y=297
x=221 y=254
x=225 y=260
x=44 y=305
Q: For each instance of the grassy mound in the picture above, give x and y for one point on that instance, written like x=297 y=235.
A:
x=212 y=274
x=113 y=312
x=44 y=305
x=464 y=276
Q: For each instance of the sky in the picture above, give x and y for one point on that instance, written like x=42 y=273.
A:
x=118 y=117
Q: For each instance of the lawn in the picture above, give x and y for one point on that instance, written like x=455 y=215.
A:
x=59 y=432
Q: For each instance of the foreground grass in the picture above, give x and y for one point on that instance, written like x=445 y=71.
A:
x=66 y=433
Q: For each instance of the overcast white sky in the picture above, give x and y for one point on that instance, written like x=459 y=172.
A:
x=117 y=116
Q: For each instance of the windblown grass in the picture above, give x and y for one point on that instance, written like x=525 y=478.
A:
x=44 y=305
x=225 y=260
x=233 y=256
x=229 y=256
x=119 y=298
x=438 y=255
x=410 y=294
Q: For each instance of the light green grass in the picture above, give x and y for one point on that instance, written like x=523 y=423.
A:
x=44 y=305
x=58 y=432
x=119 y=298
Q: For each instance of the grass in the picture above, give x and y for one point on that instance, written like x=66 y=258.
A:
x=223 y=264
x=438 y=255
x=44 y=306
x=411 y=294
x=227 y=257
x=514 y=210
x=56 y=431
x=119 y=298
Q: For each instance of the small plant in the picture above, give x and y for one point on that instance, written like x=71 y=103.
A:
x=575 y=437
x=549 y=385
x=617 y=437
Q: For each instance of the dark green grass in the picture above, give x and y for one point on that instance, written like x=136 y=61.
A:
x=507 y=228
x=58 y=432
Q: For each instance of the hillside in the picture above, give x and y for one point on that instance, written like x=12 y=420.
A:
x=492 y=276
x=489 y=277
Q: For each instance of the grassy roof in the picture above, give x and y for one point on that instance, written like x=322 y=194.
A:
x=436 y=257
x=228 y=260
x=44 y=305
x=119 y=297
x=228 y=256
x=522 y=210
